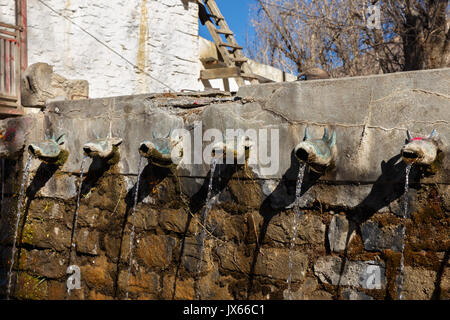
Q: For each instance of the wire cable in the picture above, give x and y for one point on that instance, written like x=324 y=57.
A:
x=104 y=44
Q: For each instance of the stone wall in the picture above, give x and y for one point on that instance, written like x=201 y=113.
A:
x=160 y=37
x=352 y=214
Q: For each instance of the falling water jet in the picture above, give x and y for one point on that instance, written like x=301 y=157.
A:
x=420 y=151
x=297 y=216
x=205 y=212
x=136 y=193
x=75 y=216
x=208 y=206
x=403 y=233
x=19 y=209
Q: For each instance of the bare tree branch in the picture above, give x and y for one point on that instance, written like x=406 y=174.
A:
x=333 y=35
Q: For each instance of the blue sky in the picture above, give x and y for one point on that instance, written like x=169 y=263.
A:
x=236 y=13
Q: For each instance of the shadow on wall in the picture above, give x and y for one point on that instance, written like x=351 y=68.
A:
x=284 y=192
x=10 y=175
x=43 y=174
x=437 y=285
x=150 y=177
x=96 y=170
x=389 y=187
x=186 y=3
x=222 y=175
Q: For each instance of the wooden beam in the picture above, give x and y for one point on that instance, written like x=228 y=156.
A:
x=4 y=103
x=249 y=76
x=21 y=21
x=8 y=98
x=231 y=45
x=7 y=68
x=9 y=111
x=7 y=39
x=220 y=73
x=226 y=54
x=2 y=66
x=212 y=30
x=10 y=26
x=227 y=32
x=212 y=63
x=239 y=60
x=9 y=33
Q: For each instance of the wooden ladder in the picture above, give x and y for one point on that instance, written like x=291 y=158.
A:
x=236 y=64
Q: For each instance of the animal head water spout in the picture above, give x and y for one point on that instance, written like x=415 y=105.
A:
x=102 y=148
x=317 y=153
x=161 y=150
x=420 y=150
x=240 y=151
x=49 y=150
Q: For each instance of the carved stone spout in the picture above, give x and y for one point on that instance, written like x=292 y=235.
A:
x=420 y=150
x=317 y=153
x=162 y=151
x=102 y=148
x=49 y=150
x=240 y=152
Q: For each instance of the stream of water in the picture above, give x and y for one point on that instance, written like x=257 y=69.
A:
x=205 y=212
x=132 y=234
x=75 y=216
x=297 y=216
x=19 y=213
x=401 y=276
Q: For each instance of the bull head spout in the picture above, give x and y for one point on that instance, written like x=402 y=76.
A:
x=50 y=150
x=102 y=148
x=319 y=154
x=420 y=150
x=240 y=151
x=162 y=151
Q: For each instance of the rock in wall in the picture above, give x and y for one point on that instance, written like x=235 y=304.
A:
x=40 y=85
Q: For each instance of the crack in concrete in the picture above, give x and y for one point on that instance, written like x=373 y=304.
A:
x=404 y=129
x=432 y=92
x=408 y=90
x=297 y=122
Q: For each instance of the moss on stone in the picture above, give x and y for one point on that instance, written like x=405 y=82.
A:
x=48 y=206
x=31 y=288
x=115 y=156
x=62 y=158
x=429 y=214
x=392 y=260
x=59 y=161
x=27 y=234
x=426 y=259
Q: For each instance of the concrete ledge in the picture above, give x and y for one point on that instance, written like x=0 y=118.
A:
x=370 y=115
